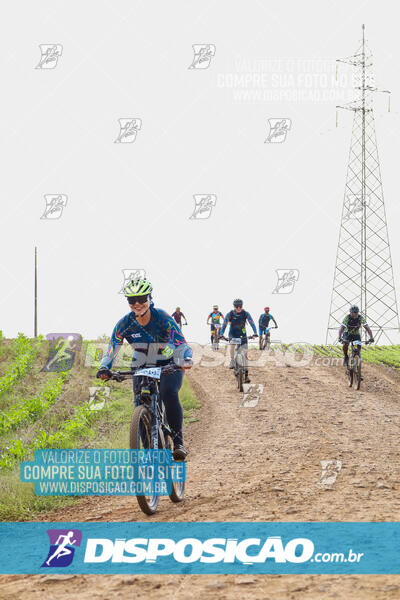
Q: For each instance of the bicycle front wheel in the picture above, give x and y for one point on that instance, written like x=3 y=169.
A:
x=240 y=374
x=268 y=341
x=140 y=439
x=357 y=372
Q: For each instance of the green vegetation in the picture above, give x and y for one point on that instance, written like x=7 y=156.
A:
x=189 y=402
x=379 y=355
x=52 y=410
x=30 y=408
x=25 y=351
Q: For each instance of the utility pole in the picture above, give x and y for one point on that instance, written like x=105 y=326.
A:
x=363 y=272
x=35 y=308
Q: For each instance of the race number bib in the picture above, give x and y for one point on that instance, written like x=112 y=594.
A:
x=154 y=372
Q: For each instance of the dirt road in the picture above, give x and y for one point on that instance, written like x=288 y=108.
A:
x=263 y=463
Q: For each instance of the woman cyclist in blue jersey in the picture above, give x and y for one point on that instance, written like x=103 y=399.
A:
x=156 y=340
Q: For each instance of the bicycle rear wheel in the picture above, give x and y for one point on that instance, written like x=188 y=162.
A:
x=260 y=342
x=139 y=439
x=178 y=487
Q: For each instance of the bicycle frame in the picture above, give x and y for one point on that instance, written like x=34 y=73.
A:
x=238 y=350
x=216 y=333
x=354 y=366
x=147 y=385
x=264 y=337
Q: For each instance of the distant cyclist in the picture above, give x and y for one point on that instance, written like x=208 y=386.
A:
x=237 y=319
x=263 y=321
x=178 y=315
x=350 y=331
x=216 y=317
x=156 y=341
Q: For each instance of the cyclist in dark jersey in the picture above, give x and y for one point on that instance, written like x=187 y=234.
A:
x=216 y=317
x=178 y=314
x=263 y=321
x=156 y=341
x=350 y=331
x=237 y=319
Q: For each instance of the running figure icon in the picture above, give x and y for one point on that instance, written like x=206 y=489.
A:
x=62 y=549
x=63 y=543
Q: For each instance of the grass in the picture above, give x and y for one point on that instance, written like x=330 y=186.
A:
x=378 y=355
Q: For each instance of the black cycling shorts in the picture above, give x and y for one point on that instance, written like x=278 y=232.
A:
x=351 y=337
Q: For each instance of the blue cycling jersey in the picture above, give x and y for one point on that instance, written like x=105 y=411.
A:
x=155 y=344
x=264 y=320
x=238 y=323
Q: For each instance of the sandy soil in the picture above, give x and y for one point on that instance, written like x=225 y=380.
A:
x=262 y=463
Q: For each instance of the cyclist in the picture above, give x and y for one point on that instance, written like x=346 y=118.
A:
x=178 y=316
x=237 y=319
x=263 y=321
x=156 y=340
x=350 y=331
x=215 y=316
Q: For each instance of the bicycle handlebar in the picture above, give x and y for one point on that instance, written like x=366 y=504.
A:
x=357 y=342
x=250 y=337
x=122 y=375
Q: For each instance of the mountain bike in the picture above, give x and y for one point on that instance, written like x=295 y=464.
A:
x=265 y=339
x=215 y=336
x=239 y=360
x=149 y=428
x=354 y=364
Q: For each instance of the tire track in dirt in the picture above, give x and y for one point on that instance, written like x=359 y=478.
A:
x=263 y=464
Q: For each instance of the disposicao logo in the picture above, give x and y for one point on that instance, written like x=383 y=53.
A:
x=190 y=550
x=62 y=550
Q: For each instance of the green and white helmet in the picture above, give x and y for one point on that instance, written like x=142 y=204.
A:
x=137 y=287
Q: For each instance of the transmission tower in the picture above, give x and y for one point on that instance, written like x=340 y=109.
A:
x=363 y=272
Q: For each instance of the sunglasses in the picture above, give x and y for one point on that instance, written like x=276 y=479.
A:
x=140 y=299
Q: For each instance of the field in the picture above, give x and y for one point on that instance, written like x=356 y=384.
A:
x=53 y=410
x=261 y=461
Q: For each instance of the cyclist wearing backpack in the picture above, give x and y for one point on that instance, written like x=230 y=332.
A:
x=156 y=340
x=237 y=318
x=263 y=321
x=350 y=331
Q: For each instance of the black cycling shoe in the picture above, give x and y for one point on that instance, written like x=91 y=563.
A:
x=345 y=361
x=179 y=452
x=246 y=378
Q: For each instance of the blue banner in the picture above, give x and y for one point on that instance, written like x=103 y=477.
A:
x=103 y=472
x=200 y=548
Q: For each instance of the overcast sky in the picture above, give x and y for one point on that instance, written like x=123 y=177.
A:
x=200 y=131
